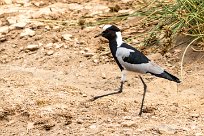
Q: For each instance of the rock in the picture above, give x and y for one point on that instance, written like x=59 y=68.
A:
x=57 y=46
x=30 y=125
x=86 y=49
x=12 y=20
x=39 y=3
x=27 y=32
x=50 y=52
x=167 y=129
x=127 y=117
x=80 y=121
x=14 y=45
x=32 y=47
x=2 y=38
x=194 y=115
x=67 y=37
x=49 y=46
x=93 y=126
x=199 y=134
x=20 y=24
x=129 y=124
x=88 y=54
x=103 y=75
x=96 y=61
x=8 y=1
x=4 y=29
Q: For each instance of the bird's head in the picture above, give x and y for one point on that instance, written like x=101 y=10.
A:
x=109 y=32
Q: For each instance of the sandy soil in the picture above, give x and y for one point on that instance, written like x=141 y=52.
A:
x=46 y=89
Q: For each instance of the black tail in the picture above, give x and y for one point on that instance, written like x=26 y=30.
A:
x=168 y=76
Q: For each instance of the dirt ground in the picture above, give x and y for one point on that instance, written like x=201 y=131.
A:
x=49 y=71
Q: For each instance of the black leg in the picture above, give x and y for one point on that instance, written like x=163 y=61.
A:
x=145 y=89
x=119 y=91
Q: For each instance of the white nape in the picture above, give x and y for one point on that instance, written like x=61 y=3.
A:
x=106 y=27
x=119 y=39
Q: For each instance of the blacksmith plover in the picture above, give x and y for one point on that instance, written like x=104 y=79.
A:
x=130 y=59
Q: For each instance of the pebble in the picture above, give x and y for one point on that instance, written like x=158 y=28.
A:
x=96 y=61
x=2 y=38
x=32 y=47
x=20 y=25
x=129 y=124
x=4 y=29
x=103 y=76
x=80 y=121
x=8 y=1
x=57 y=46
x=12 y=20
x=127 y=117
x=27 y=32
x=50 y=52
x=167 y=129
x=49 y=46
x=194 y=115
x=67 y=37
x=88 y=54
x=93 y=126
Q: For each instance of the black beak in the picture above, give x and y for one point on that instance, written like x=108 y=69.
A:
x=98 y=35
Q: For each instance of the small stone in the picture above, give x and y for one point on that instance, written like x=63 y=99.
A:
x=12 y=20
x=32 y=47
x=20 y=25
x=199 y=134
x=47 y=27
x=30 y=125
x=2 y=38
x=50 y=52
x=129 y=124
x=84 y=95
x=194 y=115
x=167 y=129
x=80 y=121
x=88 y=54
x=4 y=29
x=127 y=117
x=39 y=4
x=57 y=46
x=96 y=61
x=86 y=49
x=27 y=32
x=93 y=126
x=49 y=46
x=103 y=76
x=14 y=45
x=82 y=52
x=67 y=37
x=8 y=1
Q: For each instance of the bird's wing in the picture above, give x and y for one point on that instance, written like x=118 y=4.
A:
x=134 y=60
x=132 y=55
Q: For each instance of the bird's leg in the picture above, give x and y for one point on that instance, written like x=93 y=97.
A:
x=123 y=78
x=145 y=89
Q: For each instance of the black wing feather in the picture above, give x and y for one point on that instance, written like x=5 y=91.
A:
x=135 y=57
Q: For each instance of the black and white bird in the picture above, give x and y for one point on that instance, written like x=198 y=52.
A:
x=130 y=59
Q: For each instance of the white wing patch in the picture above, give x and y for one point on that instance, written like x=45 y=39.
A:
x=123 y=52
x=140 y=68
